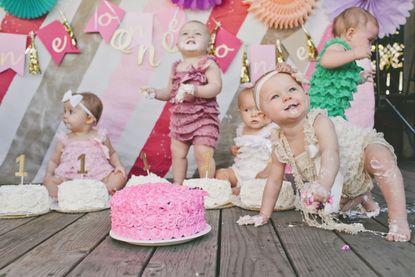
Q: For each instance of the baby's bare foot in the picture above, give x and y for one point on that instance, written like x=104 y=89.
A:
x=370 y=205
x=398 y=230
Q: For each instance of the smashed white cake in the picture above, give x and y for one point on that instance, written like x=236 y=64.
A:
x=141 y=179
x=23 y=200
x=252 y=190
x=219 y=191
x=82 y=195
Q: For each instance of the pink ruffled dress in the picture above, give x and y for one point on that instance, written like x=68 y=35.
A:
x=195 y=120
x=96 y=157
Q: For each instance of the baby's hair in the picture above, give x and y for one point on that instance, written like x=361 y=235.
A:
x=205 y=28
x=352 y=17
x=93 y=103
x=243 y=91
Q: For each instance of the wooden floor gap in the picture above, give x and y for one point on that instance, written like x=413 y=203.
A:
x=147 y=261
x=219 y=244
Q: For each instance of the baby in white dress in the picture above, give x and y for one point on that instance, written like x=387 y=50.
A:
x=253 y=148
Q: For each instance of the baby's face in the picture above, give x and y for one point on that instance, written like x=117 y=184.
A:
x=193 y=37
x=251 y=116
x=75 y=118
x=283 y=100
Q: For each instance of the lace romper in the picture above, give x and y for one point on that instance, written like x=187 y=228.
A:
x=196 y=119
x=96 y=157
x=352 y=143
x=332 y=89
x=254 y=152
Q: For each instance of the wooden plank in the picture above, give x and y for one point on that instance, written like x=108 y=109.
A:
x=114 y=258
x=316 y=252
x=15 y=243
x=60 y=253
x=250 y=251
x=9 y=224
x=195 y=258
x=386 y=258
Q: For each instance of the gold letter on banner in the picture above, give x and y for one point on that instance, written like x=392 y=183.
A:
x=222 y=51
x=57 y=44
x=121 y=40
x=167 y=39
x=9 y=55
x=142 y=49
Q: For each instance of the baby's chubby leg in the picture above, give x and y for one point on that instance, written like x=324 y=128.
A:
x=204 y=160
x=51 y=183
x=114 y=181
x=229 y=175
x=380 y=162
x=179 y=152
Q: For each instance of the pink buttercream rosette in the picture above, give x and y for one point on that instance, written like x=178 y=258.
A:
x=157 y=212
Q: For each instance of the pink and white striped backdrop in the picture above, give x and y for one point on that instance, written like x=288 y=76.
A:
x=30 y=108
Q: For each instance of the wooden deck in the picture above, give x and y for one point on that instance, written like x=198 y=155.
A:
x=59 y=244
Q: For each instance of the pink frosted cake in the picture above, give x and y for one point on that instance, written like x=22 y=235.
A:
x=160 y=211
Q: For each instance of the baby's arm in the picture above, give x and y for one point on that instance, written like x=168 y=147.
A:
x=336 y=56
x=162 y=94
x=329 y=156
x=214 y=84
x=272 y=188
x=114 y=158
x=54 y=160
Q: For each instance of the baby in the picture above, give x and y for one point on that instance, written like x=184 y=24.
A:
x=252 y=149
x=85 y=151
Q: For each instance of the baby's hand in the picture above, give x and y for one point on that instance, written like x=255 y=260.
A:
x=314 y=193
x=148 y=93
x=257 y=220
x=120 y=169
x=183 y=90
x=366 y=76
x=362 y=52
x=234 y=150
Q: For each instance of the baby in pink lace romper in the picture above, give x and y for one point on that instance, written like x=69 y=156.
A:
x=195 y=82
x=84 y=152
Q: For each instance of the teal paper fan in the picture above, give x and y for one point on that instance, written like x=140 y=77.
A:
x=27 y=9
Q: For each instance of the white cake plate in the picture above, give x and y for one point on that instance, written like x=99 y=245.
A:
x=55 y=207
x=162 y=242
x=21 y=215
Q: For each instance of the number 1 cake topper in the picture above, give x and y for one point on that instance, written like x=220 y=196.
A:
x=82 y=169
x=21 y=173
x=143 y=157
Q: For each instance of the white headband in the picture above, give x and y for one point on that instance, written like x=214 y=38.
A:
x=261 y=83
x=76 y=100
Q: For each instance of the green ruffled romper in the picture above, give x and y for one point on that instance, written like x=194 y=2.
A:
x=332 y=89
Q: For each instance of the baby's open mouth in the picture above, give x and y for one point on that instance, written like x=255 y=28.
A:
x=291 y=106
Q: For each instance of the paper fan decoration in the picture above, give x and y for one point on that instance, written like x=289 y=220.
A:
x=281 y=14
x=197 y=4
x=389 y=13
x=27 y=9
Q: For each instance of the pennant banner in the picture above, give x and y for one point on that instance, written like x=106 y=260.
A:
x=12 y=52
x=106 y=19
x=56 y=40
x=262 y=59
x=227 y=46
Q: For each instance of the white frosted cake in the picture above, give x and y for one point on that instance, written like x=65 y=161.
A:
x=252 y=190
x=141 y=179
x=219 y=191
x=23 y=200
x=82 y=195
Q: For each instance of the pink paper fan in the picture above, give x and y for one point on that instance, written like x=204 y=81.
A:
x=389 y=13
x=196 y=4
x=282 y=14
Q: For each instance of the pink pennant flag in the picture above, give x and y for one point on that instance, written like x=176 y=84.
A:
x=140 y=26
x=12 y=52
x=106 y=19
x=227 y=46
x=56 y=40
x=261 y=59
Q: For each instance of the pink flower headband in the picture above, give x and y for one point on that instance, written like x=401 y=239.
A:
x=299 y=77
x=76 y=100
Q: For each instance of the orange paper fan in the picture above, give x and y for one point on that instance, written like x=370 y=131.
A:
x=282 y=14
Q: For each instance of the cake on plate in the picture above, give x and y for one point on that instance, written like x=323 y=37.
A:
x=82 y=195
x=252 y=190
x=219 y=191
x=23 y=200
x=159 y=211
x=141 y=179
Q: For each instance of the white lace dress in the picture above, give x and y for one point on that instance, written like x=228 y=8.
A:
x=254 y=152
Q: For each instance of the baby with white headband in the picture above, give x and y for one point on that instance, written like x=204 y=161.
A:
x=319 y=148
x=85 y=151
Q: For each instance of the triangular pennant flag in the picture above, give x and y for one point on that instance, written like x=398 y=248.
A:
x=262 y=59
x=12 y=52
x=226 y=47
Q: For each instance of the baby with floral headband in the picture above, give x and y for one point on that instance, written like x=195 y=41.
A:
x=82 y=112
x=320 y=149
